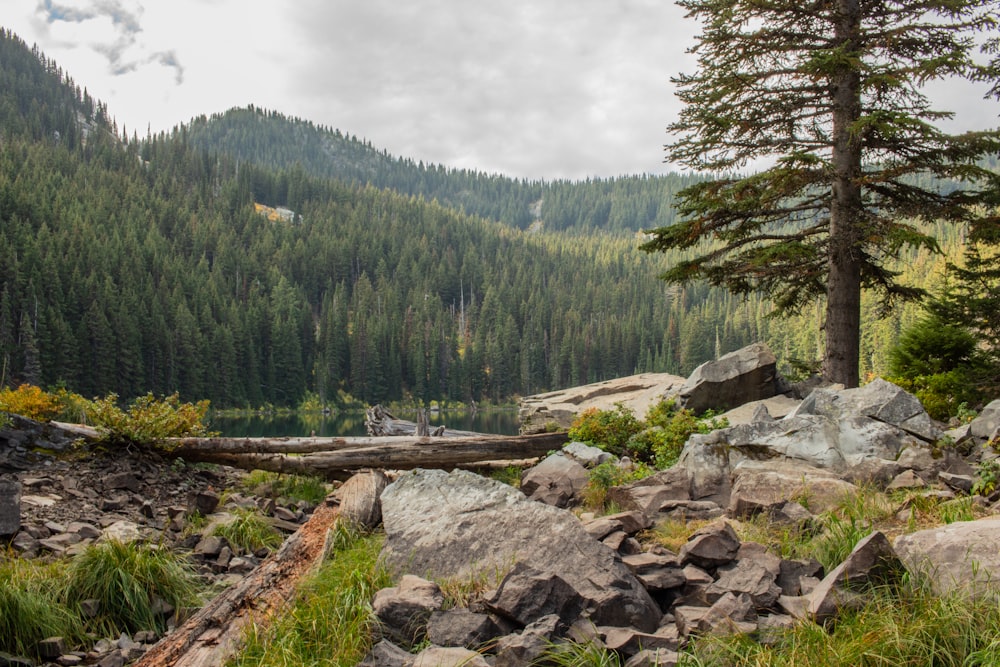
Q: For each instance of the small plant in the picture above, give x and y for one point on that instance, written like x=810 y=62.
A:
x=510 y=475
x=129 y=580
x=987 y=477
x=959 y=509
x=30 y=606
x=606 y=475
x=579 y=654
x=248 y=531
x=838 y=539
x=293 y=487
x=674 y=533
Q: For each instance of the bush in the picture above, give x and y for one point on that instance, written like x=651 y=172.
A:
x=611 y=430
x=31 y=402
x=606 y=475
x=148 y=420
x=128 y=579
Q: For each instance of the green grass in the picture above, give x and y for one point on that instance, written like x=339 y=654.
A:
x=248 y=531
x=911 y=626
x=331 y=621
x=31 y=608
x=127 y=578
x=579 y=654
x=293 y=487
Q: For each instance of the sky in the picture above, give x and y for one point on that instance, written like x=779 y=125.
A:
x=535 y=89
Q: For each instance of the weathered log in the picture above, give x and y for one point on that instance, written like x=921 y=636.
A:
x=388 y=453
x=215 y=632
x=360 y=499
x=380 y=422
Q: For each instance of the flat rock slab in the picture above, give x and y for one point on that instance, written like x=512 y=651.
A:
x=458 y=525
x=959 y=557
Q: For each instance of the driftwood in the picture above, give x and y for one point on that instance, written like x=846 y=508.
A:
x=399 y=453
x=380 y=422
x=215 y=632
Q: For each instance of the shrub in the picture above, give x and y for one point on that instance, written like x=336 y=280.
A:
x=606 y=475
x=148 y=420
x=128 y=579
x=671 y=427
x=31 y=402
x=611 y=430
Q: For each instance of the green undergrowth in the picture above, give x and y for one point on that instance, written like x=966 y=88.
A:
x=330 y=621
x=311 y=489
x=249 y=532
x=31 y=606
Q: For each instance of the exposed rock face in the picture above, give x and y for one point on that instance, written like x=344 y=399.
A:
x=558 y=408
x=748 y=374
x=458 y=524
x=961 y=556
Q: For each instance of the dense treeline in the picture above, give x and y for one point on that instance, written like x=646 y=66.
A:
x=132 y=265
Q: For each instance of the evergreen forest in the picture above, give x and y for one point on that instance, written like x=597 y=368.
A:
x=252 y=259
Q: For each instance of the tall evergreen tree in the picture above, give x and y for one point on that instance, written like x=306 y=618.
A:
x=831 y=93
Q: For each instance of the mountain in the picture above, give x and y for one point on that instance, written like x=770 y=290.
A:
x=268 y=139
x=169 y=264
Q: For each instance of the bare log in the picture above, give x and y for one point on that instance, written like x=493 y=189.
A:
x=380 y=422
x=388 y=453
x=360 y=498
x=215 y=632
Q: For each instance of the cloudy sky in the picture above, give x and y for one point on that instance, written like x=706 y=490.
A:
x=527 y=88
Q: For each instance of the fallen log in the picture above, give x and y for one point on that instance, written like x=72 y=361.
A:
x=400 y=453
x=380 y=422
x=215 y=632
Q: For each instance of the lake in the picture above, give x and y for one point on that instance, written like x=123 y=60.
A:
x=345 y=424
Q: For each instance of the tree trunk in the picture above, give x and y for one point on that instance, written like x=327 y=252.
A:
x=380 y=422
x=843 y=304
x=399 y=453
x=215 y=632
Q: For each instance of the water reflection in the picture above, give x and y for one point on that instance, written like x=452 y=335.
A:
x=501 y=422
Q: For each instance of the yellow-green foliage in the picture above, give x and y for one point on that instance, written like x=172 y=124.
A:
x=31 y=402
x=610 y=430
x=148 y=420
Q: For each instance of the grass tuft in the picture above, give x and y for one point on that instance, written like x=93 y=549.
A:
x=248 y=532
x=30 y=606
x=331 y=621
x=128 y=579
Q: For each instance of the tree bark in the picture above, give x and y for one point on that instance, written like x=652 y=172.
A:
x=215 y=632
x=399 y=453
x=843 y=304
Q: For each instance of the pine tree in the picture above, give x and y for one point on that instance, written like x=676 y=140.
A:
x=830 y=92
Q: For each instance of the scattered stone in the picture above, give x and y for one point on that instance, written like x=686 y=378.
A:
x=658 y=658
x=461 y=627
x=525 y=648
x=587 y=455
x=628 y=642
x=525 y=595
x=209 y=547
x=387 y=654
x=906 y=480
x=122 y=480
x=715 y=544
x=871 y=562
x=558 y=480
x=436 y=656
x=405 y=609
x=986 y=423
x=960 y=483
x=10 y=507
x=206 y=502
x=51 y=648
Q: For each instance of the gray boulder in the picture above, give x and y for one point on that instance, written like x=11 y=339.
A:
x=525 y=595
x=586 y=455
x=524 y=648
x=405 y=610
x=985 y=425
x=438 y=656
x=461 y=627
x=765 y=486
x=558 y=480
x=748 y=374
x=459 y=524
x=709 y=547
x=961 y=556
x=871 y=562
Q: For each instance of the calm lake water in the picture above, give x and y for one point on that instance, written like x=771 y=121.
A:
x=501 y=422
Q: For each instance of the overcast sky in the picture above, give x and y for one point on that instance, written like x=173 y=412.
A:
x=538 y=89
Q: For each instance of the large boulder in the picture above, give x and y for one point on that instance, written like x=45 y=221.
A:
x=872 y=562
x=765 y=486
x=459 y=524
x=868 y=434
x=748 y=374
x=558 y=480
x=961 y=556
x=985 y=425
x=558 y=409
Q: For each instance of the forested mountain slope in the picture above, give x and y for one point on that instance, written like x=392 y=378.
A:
x=132 y=265
x=269 y=139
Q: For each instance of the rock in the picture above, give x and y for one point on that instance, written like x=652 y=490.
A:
x=986 y=423
x=727 y=616
x=791 y=573
x=657 y=658
x=10 y=507
x=748 y=374
x=461 y=627
x=458 y=524
x=526 y=595
x=871 y=562
x=765 y=486
x=649 y=494
x=122 y=480
x=586 y=455
x=123 y=531
x=209 y=547
x=206 y=502
x=360 y=498
x=405 y=610
x=715 y=544
x=765 y=410
x=526 y=647
x=387 y=654
x=750 y=577
x=8 y=660
x=657 y=572
x=558 y=409
x=558 y=480
x=436 y=656
x=959 y=557
x=906 y=480
x=773 y=628
x=628 y=642
x=960 y=483
x=51 y=648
